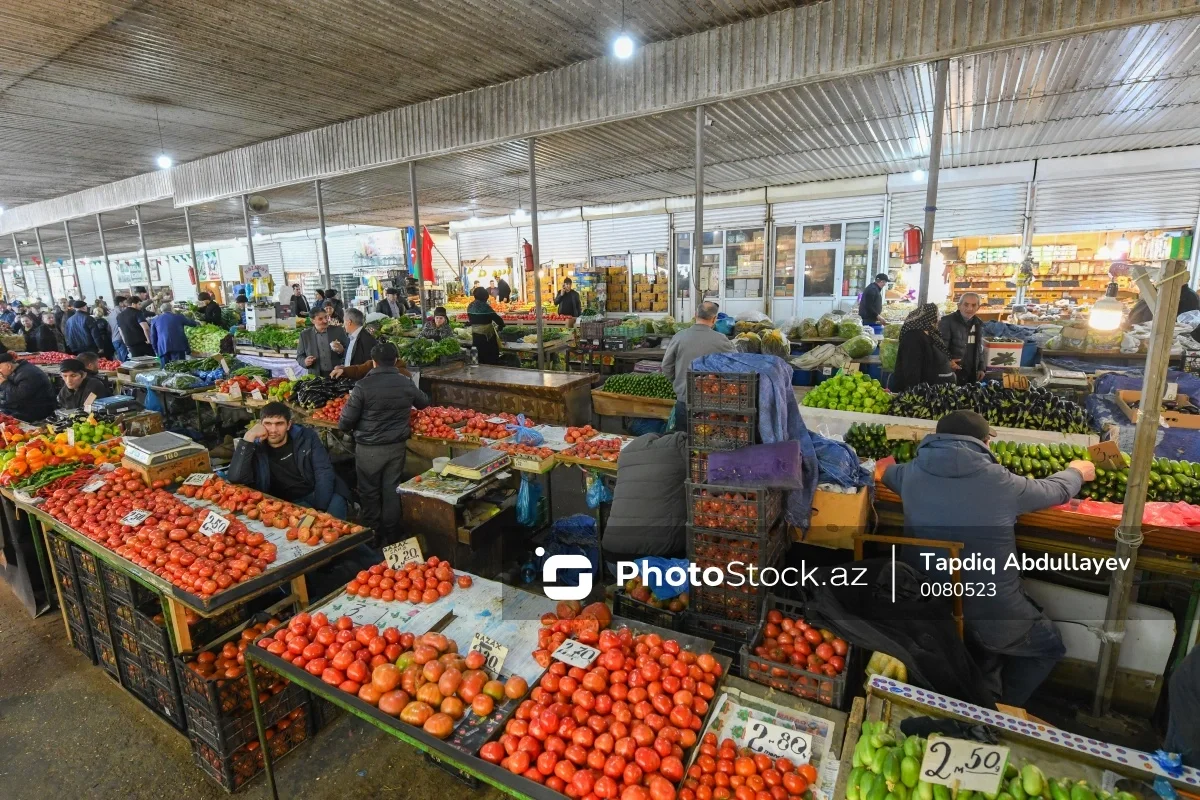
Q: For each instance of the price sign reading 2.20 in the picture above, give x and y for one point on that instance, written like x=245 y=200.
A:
x=967 y=765
x=493 y=652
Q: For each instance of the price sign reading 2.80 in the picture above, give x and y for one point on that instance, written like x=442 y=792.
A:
x=967 y=765
x=778 y=742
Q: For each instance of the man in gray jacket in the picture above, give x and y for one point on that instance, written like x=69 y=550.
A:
x=954 y=472
x=686 y=346
x=963 y=333
x=323 y=346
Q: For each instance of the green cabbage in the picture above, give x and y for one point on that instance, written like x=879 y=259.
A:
x=888 y=349
x=859 y=346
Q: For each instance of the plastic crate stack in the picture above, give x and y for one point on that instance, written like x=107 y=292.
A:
x=220 y=717
x=121 y=594
x=163 y=693
x=71 y=592
x=727 y=524
x=87 y=569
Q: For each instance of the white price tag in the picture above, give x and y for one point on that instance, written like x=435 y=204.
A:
x=576 y=654
x=256 y=395
x=235 y=391
x=826 y=370
x=87 y=404
x=399 y=554
x=291 y=373
x=135 y=518
x=777 y=741
x=197 y=479
x=497 y=421
x=224 y=366
x=965 y=765
x=71 y=436
x=492 y=651
x=93 y=486
x=214 y=523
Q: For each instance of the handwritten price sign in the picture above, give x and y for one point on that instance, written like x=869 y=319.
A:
x=397 y=555
x=576 y=654
x=93 y=486
x=493 y=652
x=967 y=765
x=214 y=523
x=777 y=741
x=197 y=479
x=135 y=518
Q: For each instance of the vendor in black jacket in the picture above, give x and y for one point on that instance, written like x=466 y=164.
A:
x=25 y=391
x=377 y=413
x=923 y=357
x=648 y=516
x=210 y=310
x=568 y=302
x=78 y=385
x=870 y=305
x=962 y=332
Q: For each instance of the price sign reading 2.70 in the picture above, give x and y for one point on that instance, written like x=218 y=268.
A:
x=576 y=654
x=967 y=765
x=778 y=742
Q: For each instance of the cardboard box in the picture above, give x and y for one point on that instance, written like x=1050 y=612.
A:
x=1003 y=354
x=658 y=305
x=1172 y=419
x=836 y=518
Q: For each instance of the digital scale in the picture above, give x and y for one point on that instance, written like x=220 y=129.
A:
x=158 y=448
x=139 y=363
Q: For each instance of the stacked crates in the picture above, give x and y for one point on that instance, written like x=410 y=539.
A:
x=728 y=524
x=71 y=592
x=91 y=584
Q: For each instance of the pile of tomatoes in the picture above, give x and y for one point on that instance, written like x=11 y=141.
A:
x=729 y=511
x=570 y=619
x=436 y=422
x=616 y=730
x=167 y=543
x=331 y=411
x=420 y=679
x=721 y=429
x=574 y=435
x=245 y=384
x=722 y=772
x=417 y=581
x=607 y=449
x=478 y=426
x=229 y=661
x=108 y=364
x=49 y=357
x=513 y=449
x=273 y=513
x=796 y=643
x=10 y=425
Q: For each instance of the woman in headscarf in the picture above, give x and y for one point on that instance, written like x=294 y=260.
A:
x=923 y=356
x=438 y=327
x=484 y=323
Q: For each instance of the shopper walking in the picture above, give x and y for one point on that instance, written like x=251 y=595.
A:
x=484 y=323
x=954 y=471
x=298 y=302
x=167 y=334
x=82 y=333
x=135 y=331
x=700 y=339
x=322 y=346
x=962 y=332
x=923 y=356
x=106 y=332
x=377 y=412
x=870 y=305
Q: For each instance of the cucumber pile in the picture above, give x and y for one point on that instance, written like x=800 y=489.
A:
x=887 y=766
x=640 y=384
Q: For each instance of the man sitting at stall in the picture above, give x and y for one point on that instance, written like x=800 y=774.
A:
x=322 y=346
x=25 y=391
x=1014 y=642
x=288 y=461
x=79 y=385
x=438 y=326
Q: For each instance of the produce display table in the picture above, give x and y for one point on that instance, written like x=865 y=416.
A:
x=610 y=404
x=439 y=509
x=1104 y=355
x=559 y=398
x=619 y=358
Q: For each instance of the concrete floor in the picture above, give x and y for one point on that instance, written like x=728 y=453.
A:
x=67 y=731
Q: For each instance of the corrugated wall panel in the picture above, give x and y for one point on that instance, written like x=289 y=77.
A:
x=718 y=219
x=270 y=253
x=560 y=242
x=493 y=245
x=301 y=255
x=647 y=234
x=445 y=256
x=1161 y=200
x=831 y=209
x=177 y=269
x=342 y=251
x=997 y=210
x=144 y=188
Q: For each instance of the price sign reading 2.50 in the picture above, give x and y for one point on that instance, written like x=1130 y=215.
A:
x=778 y=742
x=968 y=765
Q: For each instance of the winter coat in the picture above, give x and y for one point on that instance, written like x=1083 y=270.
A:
x=92 y=384
x=299 y=305
x=568 y=303
x=251 y=466
x=211 y=314
x=360 y=353
x=167 y=334
x=83 y=335
x=955 y=490
x=685 y=347
x=870 y=306
x=27 y=393
x=308 y=347
x=377 y=410
x=649 y=507
x=431 y=330
x=46 y=339
x=917 y=362
x=956 y=331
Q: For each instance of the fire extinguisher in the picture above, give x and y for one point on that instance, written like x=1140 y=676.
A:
x=912 y=244
x=192 y=275
x=527 y=252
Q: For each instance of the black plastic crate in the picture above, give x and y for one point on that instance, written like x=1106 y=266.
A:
x=133 y=675
x=828 y=690
x=323 y=712
x=127 y=645
x=234 y=770
x=746 y=511
x=625 y=606
x=70 y=584
x=151 y=633
x=98 y=620
x=742 y=603
x=92 y=592
x=106 y=656
x=166 y=701
x=121 y=616
x=228 y=732
x=81 y=640
x=721 y=430
x=160 y=668
x=85 y=562
x=723 y=391
x=60 y=551
x=121 y=588
x=74 y=611
x=209 y=629
x=728 y=636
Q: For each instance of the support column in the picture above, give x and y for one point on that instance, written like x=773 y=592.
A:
x=137 y=210
x=324 y=244
x=941 y=75
x=537 y=264
x=21 y=264
x=71 y=253
x=37 y=235
x=698 y=221
x=249 y=230
x=1129 y=533
x=112 y=288
x=417 y=248
x=187 y=223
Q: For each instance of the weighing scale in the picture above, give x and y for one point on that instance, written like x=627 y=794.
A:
x=158 y=448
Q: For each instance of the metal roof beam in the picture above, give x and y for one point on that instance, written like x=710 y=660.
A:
x=139 y=189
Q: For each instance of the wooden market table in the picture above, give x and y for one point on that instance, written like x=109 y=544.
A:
x=611 y=404
x=1105 y=355
x=558 y=398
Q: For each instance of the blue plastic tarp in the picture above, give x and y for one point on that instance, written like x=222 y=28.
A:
x=1105 y=414
x=1003 y=330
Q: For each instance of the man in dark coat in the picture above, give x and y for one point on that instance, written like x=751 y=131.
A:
x=79 y=384
x=289 y=462
x=210 y=310
x=25 y=391
x=316 y=351
x=360 y=341
x=955 y=470
x=568 y=302
x=962 y=332
x=649 y=509
x=391 y=305
x=377 y=413
x=298 y=302
x=503 y=291
x=870 y=306
x=82 y=333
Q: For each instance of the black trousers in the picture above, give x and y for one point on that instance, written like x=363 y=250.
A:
x=141 y=350
x=487 y=348
x=380 y=468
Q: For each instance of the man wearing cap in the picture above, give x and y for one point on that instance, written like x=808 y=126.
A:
x=210 y=310
x=1015 y=644
x=25 y=391
x=870 y=306
x=962 y=332
x=241 y=300
x=82 y=332
x=7 y=315
x=78 y=385
x=391 y=304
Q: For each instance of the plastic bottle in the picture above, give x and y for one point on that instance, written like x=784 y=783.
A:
x=528 y=571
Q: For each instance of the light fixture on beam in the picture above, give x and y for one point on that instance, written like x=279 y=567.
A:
x=918 y=175
x=164 y=161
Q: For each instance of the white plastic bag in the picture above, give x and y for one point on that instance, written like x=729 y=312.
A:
x=1189 y=318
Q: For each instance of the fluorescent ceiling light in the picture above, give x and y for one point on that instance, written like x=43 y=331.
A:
x=918 y=175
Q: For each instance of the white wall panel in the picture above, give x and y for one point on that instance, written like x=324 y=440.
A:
x=647 y=234
x=1117 y=202
x=997 y=210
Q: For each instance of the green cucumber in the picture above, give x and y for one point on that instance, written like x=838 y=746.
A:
x=910 y=770
x=1032 y=780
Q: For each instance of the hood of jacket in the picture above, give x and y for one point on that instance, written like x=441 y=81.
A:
x=948 y=455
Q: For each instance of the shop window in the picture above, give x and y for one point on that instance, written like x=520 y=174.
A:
x=820 y=266
x=820 y=234
x=650 y=287
x=785 y=261
x=744 y=259
x=613 y=272
x=858 y=261
x=710 y=265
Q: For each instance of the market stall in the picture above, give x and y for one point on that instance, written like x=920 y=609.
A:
x=553 y=397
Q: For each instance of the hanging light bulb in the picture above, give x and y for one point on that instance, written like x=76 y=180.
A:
x=623 y=46
x=1121 y=246
x=164 y=161
x=1107 y=313
x=918 y=175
